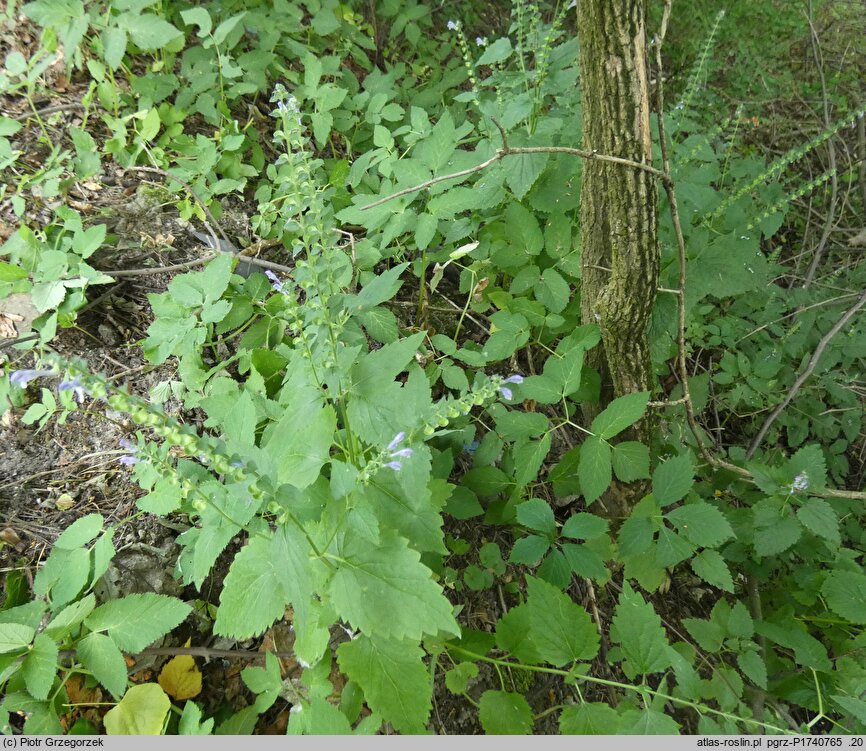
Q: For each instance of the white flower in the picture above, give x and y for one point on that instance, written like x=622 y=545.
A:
x=481 y=41
x=453 y=25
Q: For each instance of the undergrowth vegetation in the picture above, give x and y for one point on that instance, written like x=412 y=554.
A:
x=382 y=415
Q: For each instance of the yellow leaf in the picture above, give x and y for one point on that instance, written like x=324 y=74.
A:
x=180 y=678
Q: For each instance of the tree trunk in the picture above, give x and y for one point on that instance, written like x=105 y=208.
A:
x=618 y=223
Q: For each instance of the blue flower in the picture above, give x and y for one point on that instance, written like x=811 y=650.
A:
x=453 y=25
x=396 y=466
x=480 y=41
x=129 y=459
x=801 y=482
x=505 y=391
x=396 y=440
x=74 y=385
x=276 y=283
x=403 y=453
x=23 y=377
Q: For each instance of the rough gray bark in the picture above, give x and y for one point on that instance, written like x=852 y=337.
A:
x=618 y=222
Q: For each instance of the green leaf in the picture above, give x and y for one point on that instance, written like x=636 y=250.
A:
x=708 y=634
x=845 y=592
x=552 y=291
x=100 y=656
x=300 y=454
x=529 y=550
x=566 y=370
x=740 y=623
x=583 y=526
x=673 y=479
x=141 y=712
x=711 y=567
x=80 y=532
x=136 y=621
x=638 y=630
x=776 y=528
x=631 y=461
x=536 y=514
x=40 y=666
x=199 y=17
x=853 y=706
x=562 y=631
x=672 y=548
x=15 y=637
x=819 y=518
x=383 y=287
x=394 y=678
x=523 y=229
x=149 y=32
x=809 y=463
x=384 y=589
x=701 y=523
x=753 y=667
x=648 y=722
x=68 y=618
x=808 y=651
x=457 y=679
x=529 y=457
x=504 y=713
x=253 y=595
x=589 y=718
x=497 y=51
x=594 y=469
x=190 y=721
x=541 y=388
x=585 y=562
x=620 y=414
x=514 y=635
x=113 y=46
x=521 y=172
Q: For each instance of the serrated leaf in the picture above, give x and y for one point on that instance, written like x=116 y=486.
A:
x=528 y=457
x=594 y=468
x=753 y=668
x=819 y=518
x=845 y=592
x=522 y=170
x=562 y=631
x=772 y=540
x=504 y=713
x=707 y=634
x=711 y=567
x=529 y=550
x=253 y=596
x=566 y=370
x=701 y=523
x=383 y=287
x=384 y=589
x=647 y=722
x=80 y=532
x=585 y=562
x=672 y=548
x=394 y=678
x=141 y=712
x=740 y=623
x=14 y=637
x=457 y=679
x=541 y=389
x=630 y=461
x=68 y=618
x=589 y=718
x=809 y=464
x=40 y=667
x=552 y=291
x=673 y=479
x=100 y=656
x=514 y=635
x=638 y=630
x=620 y=414
x=497 y=51
x=853 y=706
x=583 y=526
x=537 y=515
x=136 y=621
